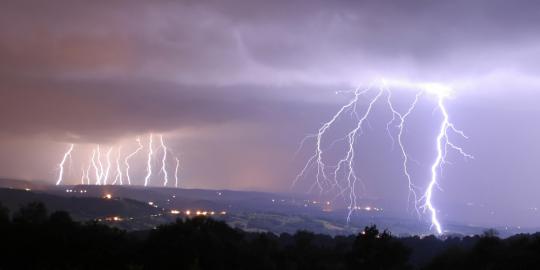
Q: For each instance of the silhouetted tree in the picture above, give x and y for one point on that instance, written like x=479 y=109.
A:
x=37 y=241
x=490 y=233
x=34 y=213
x=60 y=218
x=193 y=243
x=374 y=250
x=4 y=215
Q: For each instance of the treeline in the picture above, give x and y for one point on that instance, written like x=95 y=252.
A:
x=32 y=239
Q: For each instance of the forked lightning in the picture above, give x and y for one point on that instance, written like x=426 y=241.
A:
x=344 y=177
x=102 y=173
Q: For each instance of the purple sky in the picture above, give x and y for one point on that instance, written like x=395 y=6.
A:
x=234 y=86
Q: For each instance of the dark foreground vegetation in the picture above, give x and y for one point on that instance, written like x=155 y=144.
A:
x=32 y=239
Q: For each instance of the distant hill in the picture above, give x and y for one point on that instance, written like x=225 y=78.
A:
x=79 y=208
x=147 y=207
x=22 y=184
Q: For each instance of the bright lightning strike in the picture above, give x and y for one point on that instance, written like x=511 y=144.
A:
x=118 y=177
x=83 y=176
x=61 y=164
x=176 y=172
x=99 y=172
x=87 y=175
x=126 y=160
x=149 y=162
x=164 y=161
x=108 y=168
x=400 y=126
x=95 y=166
x=344 y=178
x=103 y=169
x=442 y=144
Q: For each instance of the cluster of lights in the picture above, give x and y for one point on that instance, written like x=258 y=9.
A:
x=200 y=213
x=317 y=202
x=366 y=208
x=327 y=207
x=114 y=218
x=75 y=191
x=313 y=202
x=153 y=204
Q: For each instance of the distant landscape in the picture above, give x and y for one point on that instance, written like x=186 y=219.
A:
x=34 y=237
x=137 y=208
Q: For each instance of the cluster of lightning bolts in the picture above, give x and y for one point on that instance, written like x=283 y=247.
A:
x=98 y=171
x=343 y=178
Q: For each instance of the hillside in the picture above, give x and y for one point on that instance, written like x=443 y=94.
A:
x=80 y=208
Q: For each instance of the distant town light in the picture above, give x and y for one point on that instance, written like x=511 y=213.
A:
x=108 y=196
x=175 y=212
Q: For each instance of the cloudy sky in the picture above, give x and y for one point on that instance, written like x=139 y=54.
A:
x=234 y=86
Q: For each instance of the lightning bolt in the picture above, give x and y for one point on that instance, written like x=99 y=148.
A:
x=83 y=176
x=176 y=172
x=61 y=164
x=164 y=161
x=345 y=166
x=99 y=172
x=442 y=144
x=103 y=170
x=344 y=178
x=94 y=164
x=107 y=169
x=88 y=171
x=401 y=118
x=317 y=156
x=149 y=162
x=348 y=160
x=118 y=177
x=126 y=160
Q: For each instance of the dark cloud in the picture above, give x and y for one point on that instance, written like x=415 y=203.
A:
x=205 y=42
x=94 y=110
